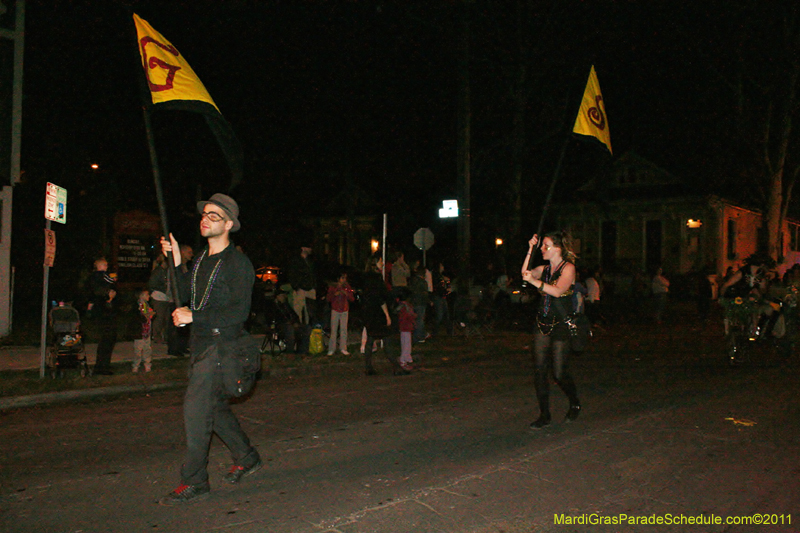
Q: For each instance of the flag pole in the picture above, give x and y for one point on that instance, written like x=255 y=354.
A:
x=162 y=210
x=591 y=120
x=549 y=197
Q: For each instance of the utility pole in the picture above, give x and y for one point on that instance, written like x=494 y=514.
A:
x=12 y=45
x=463 y=150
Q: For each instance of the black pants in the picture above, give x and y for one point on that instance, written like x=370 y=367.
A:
x=107 y=330
x=206 y=411
x=390 y=349
x=544 y=346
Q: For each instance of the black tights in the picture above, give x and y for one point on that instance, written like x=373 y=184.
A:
x=560 y=349
x=390 y=350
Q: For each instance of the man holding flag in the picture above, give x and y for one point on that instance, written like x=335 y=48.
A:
x=219 y=290
x=219 y=286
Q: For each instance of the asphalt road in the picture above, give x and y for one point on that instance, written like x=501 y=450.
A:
x=667 y=430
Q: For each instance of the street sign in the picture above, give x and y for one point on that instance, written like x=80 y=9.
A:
x=55 y=204
x=49 y=247
x=449 y=209
x=423 y=239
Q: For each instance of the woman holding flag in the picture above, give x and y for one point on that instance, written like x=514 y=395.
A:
x=554 y=280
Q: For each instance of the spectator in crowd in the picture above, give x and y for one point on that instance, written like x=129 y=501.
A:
x=420 y=300
x=400 y=271
x=303 y=280
x=294 y=333
x=442 y=289
x=339 y=297
x=160 y=293
x=579 y=293
x=407 y=319
x=660 y=288
x=142 y=348
x=593 y=292
x=376 y=302
x=103 y=312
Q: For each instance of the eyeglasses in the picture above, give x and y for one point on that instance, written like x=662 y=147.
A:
x=548 y=246
x=212 y=216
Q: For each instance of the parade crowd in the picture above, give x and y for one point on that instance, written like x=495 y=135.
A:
x=204 y=305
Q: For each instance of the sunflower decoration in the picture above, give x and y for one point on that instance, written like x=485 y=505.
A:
x=738 y=308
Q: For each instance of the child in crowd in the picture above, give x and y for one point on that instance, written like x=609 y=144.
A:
x=407 y=320
x=339 y=297
x=142 y=348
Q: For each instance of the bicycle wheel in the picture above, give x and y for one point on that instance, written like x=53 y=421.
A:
x=273 y=343
x=734 y=349
x=737 y=343
x=270 y=345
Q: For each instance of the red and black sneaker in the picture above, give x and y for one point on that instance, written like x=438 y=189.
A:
x=236 y=473
x=187 y=494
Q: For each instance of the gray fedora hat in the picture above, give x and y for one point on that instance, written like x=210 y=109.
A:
x=227 y=204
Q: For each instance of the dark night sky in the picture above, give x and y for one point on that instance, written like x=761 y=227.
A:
x=317 y=91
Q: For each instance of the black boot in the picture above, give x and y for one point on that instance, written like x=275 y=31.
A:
x=574 y=410
x=568 y=386
x=544 y=413
x=368 y=368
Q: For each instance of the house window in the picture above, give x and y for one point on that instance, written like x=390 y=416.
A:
x=731 y=239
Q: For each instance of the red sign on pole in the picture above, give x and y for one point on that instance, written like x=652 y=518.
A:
x=49 y=247
x=55 y=204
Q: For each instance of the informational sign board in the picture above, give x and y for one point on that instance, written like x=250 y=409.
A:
x=133 y=246
x=49 y=247
x=55 y=204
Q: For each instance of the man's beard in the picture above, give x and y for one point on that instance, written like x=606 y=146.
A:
x=209 y=233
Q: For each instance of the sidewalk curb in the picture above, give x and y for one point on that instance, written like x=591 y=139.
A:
x=15 y=402
x=32 y=400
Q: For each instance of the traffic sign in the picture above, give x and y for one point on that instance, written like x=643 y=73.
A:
x=49 y=247
x=55 y=204
x=423 y=239
x=449 y=209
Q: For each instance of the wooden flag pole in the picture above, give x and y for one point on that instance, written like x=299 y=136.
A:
x=547 y=200
x=162 y=210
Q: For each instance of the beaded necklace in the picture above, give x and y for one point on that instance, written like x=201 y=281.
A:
x=547 y=277
x=210 y=285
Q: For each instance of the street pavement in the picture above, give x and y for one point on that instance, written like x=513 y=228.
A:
x=667 y=432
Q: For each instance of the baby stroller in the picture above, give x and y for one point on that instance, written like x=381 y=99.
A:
x=66 y=350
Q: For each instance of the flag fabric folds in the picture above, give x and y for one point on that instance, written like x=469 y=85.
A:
x=592 y=120
x=173 y=84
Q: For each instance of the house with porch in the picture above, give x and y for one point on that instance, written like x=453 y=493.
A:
x=640 y=217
